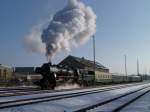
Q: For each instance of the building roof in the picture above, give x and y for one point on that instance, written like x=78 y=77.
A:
x=24 y=69
x=85 y=62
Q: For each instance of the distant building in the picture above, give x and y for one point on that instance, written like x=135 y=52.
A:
x=5 y=73
x=82 y=63
x=24 y=70
x=26 y=73
x=86 y=69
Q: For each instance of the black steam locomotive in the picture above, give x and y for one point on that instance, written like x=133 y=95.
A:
x=53 y=75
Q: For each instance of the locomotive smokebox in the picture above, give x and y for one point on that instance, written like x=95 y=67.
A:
x=38 y=70
x=45 y=66
x=48 y=81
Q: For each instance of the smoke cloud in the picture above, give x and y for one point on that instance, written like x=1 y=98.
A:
x=34 y=42
x=70 y=27
x=67 y=86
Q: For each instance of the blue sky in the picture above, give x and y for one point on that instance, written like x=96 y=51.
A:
x=122 y=28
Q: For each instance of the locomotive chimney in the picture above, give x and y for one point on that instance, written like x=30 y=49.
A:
x=48 y=59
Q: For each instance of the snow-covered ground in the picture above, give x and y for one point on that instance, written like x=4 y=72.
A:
x=4 y=99
x=68 y=104
x=140 y=105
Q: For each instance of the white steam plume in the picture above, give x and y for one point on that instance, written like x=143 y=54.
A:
x=34 y=43
x=70 y=27
x=67 y=86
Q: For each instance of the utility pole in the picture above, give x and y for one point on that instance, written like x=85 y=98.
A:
x=125 y=59
x=94 y=56
x=138 y=73
x=138 y=67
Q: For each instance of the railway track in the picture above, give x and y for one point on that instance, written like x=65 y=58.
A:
x=18 y=88
x=28 y=91
x=8 y=93
x=115 y=104
x=27 y=101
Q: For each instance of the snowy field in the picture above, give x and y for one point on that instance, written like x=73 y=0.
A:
x=67 y=104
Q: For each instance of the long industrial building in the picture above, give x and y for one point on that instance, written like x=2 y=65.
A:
x=101 y=72
x=28 y=74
